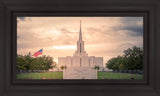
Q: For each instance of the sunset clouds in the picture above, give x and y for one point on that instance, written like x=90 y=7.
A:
x=103 y=36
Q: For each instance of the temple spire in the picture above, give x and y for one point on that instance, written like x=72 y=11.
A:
x=80 y=33
x=80 y=45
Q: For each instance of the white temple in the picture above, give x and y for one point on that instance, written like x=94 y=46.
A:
x=80 y=65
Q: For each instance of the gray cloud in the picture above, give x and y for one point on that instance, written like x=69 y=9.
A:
x=22 y=18
x=130 y=19
x=131 y=25
x=106 y=36
x=132 y=30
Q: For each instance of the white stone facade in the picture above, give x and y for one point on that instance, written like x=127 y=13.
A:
x=80 y=65
x=83 y=61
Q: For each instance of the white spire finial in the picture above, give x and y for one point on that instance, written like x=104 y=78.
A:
x=80 y=33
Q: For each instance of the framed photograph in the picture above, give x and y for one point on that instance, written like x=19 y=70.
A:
x=74 y=47
x=118 y=41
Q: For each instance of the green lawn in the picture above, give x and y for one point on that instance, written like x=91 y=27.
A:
x=59 y=75
x=47 y=75
x=112 y=75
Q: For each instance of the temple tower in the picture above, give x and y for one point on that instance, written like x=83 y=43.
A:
x=80 y=45
x=80 y=65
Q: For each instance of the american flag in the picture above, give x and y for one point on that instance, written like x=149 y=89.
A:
x=38 y=53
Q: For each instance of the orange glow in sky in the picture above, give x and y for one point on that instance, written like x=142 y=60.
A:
x=105 y=37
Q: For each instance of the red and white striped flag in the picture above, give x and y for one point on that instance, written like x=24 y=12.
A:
x=38 y=53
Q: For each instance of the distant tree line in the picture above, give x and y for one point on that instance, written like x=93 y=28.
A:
x=27 y=62
x=131 y=60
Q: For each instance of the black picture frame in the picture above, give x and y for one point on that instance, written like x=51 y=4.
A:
x=10 y=9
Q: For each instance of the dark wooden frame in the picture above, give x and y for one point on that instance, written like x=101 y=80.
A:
x=10 y=9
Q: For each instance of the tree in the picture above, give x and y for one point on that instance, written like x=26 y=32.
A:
x=119 y=60
x=131 y=60
x=27 y=62
x=62 y=67
x=114 y=63
x=21 y=63
x=96 y=67
x=111 y=63
x=65 y=67
x=54 y=65
x=122 y=67
x=134 y=58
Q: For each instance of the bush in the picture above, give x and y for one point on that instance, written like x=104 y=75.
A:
x=27 y=62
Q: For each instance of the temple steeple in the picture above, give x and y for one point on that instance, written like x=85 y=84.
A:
x=80 y=33
x=80 y=45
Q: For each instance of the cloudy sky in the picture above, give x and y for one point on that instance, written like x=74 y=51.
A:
x=106 y=37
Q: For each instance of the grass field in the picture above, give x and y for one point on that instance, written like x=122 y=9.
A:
x=48 y=75
x=59 y=75
x=112 y=75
